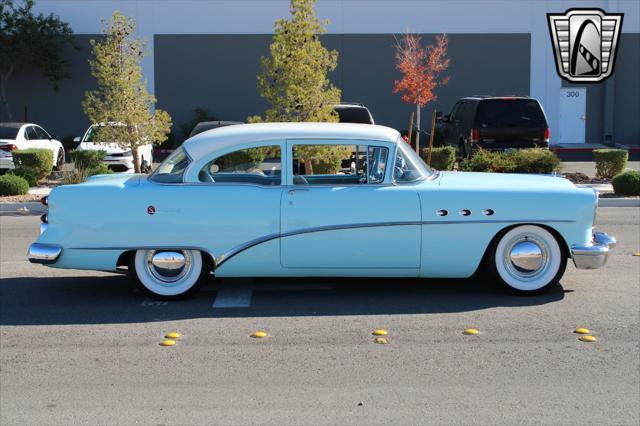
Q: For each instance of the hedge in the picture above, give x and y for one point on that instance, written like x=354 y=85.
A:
x=532 y=160
x=87 y=160
x=13 y=185
x=610 y=162
x=27 y=173
x=627 y=183
x=443 y=158
x=40 y=160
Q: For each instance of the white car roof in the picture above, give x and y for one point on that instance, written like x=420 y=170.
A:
x=230 y=136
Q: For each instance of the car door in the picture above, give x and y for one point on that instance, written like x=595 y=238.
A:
x=351 y=219
x=449 y=127
x=44 y=140
x=457 y=126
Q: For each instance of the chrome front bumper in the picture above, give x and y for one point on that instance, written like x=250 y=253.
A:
x=595 y=254
x=44 y=253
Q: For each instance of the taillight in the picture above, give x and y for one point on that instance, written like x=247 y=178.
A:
x=475 y=136
x=8 y=147
x=45 y=200
x=547 y=134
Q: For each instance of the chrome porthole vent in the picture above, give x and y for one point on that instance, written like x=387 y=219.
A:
x=442 y=212
x=488 y=212
x=465 y=212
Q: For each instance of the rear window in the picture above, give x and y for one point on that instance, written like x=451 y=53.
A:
x=510 y=113
x=8 y=132
x=172 y=168
x=354 y=115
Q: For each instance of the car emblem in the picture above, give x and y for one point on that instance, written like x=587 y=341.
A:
x=585 y=43
x=151 y=210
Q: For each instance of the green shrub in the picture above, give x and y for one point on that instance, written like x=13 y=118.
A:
x=40 y=160
x=100 y=169
x=443 y=158
x=487 y=161
x=87 y=160
x=80 y=175
x=27 y=173
x=13 y=185
x=533 y=160
x=610 y=162
x=627 y=183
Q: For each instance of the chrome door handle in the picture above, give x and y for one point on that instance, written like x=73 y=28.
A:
x=293 y=190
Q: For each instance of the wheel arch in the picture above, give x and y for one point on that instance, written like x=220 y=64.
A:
x=125 y=257
x=564 y=247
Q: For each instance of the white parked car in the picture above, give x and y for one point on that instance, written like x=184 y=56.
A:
x=24 y=136
x=118 y=159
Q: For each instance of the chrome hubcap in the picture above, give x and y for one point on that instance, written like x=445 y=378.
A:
x=168 y=267
x=526 y=257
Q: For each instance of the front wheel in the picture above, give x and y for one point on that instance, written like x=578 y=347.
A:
x=527 y=260
x=168 y=274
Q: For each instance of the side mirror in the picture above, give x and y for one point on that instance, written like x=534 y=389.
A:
x=76 y=139
x=439 y=115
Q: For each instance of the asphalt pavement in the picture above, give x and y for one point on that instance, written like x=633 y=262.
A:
x=82 y=347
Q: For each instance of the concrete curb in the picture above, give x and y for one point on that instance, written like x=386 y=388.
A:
x=619 y=202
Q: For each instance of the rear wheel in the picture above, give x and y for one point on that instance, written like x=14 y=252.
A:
x=527 y=260
x=168 y=274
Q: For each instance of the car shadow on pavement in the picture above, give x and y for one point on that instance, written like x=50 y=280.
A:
x=113 y=299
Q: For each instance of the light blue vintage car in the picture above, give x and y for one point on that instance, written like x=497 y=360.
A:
x=254 y=201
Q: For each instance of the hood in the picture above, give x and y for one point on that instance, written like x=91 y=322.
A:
x=500 y=181
x=110 y=148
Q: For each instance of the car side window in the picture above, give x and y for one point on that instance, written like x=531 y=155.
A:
x=459 y=111
x=30 y=134
x=259 y=166
x=338 y=164
x=454 y=111
x=41 y=133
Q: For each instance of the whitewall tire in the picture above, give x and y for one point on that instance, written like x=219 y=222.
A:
x=168 y=274
x=528 y=259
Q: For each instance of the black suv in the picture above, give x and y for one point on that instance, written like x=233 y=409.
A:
x=493 y=123
x=352 y=112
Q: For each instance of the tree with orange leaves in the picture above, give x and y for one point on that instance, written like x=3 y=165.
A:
x=421 y=69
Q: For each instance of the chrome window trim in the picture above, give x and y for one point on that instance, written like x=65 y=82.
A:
x=184 y=173
x=390 y=146
x=432 y=176
x=254 y=144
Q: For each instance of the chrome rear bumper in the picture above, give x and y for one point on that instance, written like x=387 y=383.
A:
x=44 y=253
x=595 y=254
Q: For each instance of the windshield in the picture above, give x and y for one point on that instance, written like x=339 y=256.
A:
x=510 y=113
x=409 y=167
x=90 y=135
x=8 y=132
x=172 y=168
